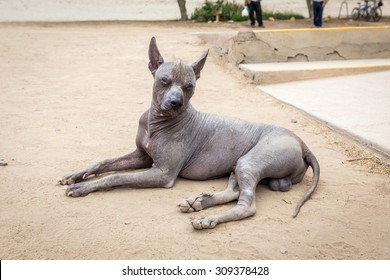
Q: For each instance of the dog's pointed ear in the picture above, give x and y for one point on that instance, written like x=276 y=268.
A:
x=198 y=65
x=155 y=58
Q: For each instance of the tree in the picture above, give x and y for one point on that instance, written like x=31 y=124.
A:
x=183 y=10
x=309 y=8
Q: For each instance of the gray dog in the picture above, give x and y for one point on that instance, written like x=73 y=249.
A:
x=175 y=140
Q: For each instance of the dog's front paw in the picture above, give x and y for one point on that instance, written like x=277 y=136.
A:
x=80 y=189
x=67 y=180
x=204 y=223
x=75 y=177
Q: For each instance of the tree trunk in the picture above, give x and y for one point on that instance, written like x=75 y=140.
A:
x=309 y=8
x=183 y=10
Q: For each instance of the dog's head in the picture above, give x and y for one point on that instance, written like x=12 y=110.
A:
x=174 y=82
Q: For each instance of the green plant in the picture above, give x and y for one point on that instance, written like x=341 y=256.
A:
x=207 y=11
x=232 y=11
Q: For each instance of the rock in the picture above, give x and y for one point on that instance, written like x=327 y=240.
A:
x=283 y=250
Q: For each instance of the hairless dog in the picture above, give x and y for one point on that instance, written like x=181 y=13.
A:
x=175 y=140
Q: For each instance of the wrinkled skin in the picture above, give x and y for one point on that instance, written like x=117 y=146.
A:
x=175 y=140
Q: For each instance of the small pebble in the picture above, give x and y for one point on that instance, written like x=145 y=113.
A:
x=283 y=250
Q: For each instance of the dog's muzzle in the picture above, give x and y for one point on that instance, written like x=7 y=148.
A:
x=172 y=102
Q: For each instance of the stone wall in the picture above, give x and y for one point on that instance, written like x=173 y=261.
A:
x=302 y=44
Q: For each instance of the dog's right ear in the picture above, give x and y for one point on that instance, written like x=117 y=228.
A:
x=155 y=58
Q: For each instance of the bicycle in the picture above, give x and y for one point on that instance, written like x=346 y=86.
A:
x=361 y=11
x=376 y=11
x=368 y=11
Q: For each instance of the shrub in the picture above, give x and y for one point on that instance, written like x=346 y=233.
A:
x=232 y=11
x=207 y=11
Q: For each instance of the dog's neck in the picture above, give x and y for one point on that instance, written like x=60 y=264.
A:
x=160 y=120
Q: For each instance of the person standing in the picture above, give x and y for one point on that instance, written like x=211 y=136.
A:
x=255 y=7
x=318 y=8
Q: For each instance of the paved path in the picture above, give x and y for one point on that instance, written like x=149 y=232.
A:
x=358 y=104
x=315 y=65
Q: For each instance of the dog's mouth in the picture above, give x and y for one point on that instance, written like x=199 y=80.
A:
x=170 y=107
x=172 y=113
x=172 y=104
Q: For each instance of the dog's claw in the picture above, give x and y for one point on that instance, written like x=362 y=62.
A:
x=66 y=180
x=205 y=223
x=80 y=189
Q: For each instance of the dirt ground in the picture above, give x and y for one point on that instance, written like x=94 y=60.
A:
x=71 y=95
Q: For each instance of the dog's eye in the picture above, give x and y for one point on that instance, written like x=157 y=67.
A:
x=165 y=81
x=188 y=86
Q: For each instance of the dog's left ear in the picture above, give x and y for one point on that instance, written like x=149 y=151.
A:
x=198 y=65
x=155 y=58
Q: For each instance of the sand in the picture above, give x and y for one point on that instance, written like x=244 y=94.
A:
x=71 y=95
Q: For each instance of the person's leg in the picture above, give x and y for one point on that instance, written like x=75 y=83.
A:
x=315 y=13
x=259 y=15
x=251 y=13
x=321 y=10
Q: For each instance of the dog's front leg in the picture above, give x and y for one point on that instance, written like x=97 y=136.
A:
x=150 y=178
x=135 y=160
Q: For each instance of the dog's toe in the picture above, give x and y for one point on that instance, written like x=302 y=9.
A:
x=75 y=190
x=191 y=205
x=205 y=223
x=185 y=207
x=66 y=180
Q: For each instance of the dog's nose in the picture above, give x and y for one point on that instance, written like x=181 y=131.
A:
x=176 y=102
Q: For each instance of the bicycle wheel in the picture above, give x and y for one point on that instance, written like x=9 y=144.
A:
x=365 y=15
x=377 y=14
x=355 y=14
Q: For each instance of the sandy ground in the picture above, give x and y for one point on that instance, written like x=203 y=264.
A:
x=71 y=95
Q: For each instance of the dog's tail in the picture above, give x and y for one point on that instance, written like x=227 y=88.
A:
x=311 y=160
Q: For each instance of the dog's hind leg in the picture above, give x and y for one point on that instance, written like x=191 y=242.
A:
x=247 y=178
x=206 y=200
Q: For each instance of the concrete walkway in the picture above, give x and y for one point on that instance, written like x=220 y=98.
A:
x=272 y=73
x=315 y=65
x=358 y=104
